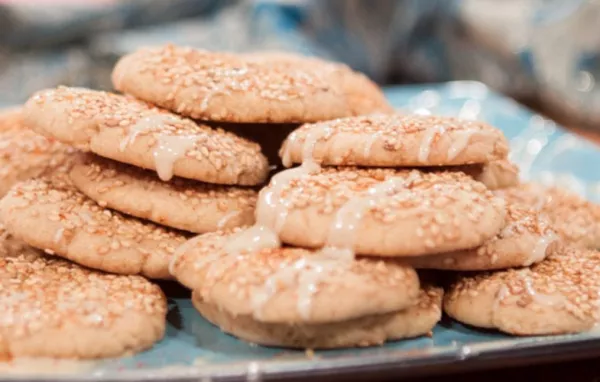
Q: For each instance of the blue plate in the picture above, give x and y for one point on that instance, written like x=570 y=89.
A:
x=193 y=349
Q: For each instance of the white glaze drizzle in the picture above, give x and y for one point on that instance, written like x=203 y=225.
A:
x=426 y=143
x=286 y=152
x=539 y=251
x=182 y=249
x=168 y=150
x=225 y=219
x=253 y=239
x=540 y=298
x=144 y=124
x=460 y=143
x=369 y=144
x=59 y=235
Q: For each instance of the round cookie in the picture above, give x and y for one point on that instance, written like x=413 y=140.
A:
x=24 y=155
x=130 y=131
x=290 y=285
x=180 y=203
x=557 y=296
x=526 y=239
x=363 y=95
x=391 y=140
x=362 y=331
x=575 y=220
x=227 y=87
x=54 y=308
x=381 y=212
x=60 y=220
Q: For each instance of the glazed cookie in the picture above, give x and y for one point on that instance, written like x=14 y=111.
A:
x=180 y=203
x=63 y=221
x=226 y=87
x=25 y=155
x=381 y=212
x=54 y=308
x=363 y=95
x=362 y=331
x=526 y=239
x=290 y=285
x=559 y=295
x=130 y=131
x=390 y=140
x=575 y=220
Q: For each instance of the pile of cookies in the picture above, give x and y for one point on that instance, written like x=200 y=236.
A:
x=177 y=178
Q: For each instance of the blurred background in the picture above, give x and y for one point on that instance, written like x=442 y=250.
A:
x=545 y=53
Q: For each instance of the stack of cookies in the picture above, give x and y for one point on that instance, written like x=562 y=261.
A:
x=117 y=183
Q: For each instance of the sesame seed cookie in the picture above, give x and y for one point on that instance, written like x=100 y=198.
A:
x=226 y=87
x=363 y=95
x=61 y=220
x=575 y=220
x=391 y=140
x=24 y=155
x=290 y=285
x=526 y=239
x=180 y=203
x=362 y=331
x=556 y=296
x=130 y=131
x=54 y=308
x=381 y=212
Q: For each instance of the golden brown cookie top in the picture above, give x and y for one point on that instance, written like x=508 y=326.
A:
x=135 y=132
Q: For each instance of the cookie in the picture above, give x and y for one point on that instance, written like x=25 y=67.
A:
x=180 y=203
x=497 y=174
x=363 y=95
x=526 y=239
x=62 y=221
x=25 y=154
x=290 y=285
x=54 y=308
x=227 y=87
x=391 y=140
x=362 y=331
x=575 y=220
x=133 y=132
x=381 y=212
x=557 y=296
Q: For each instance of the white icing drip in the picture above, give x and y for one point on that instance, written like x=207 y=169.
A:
x=539 y=251
x=253 y=239
x=147 y=123
x=59 y=235
x=306 y=273
x=369 y=144
x=426 y=143
x=286 y=153
x=168 y=150
x=540 y=298
x=308 y=149
x=460 y=143
x=342 y=232
x=226 y=219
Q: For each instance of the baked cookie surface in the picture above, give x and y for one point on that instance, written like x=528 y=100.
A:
x=130 y=131
x=392 y=140
x=558 y=295
x=380 y=212
x=59 y=219
x=358 y=332
x=54 y=308
x=215 y=86
x=575 y=220
x=180 y=203
x=526 y=239
x=290 y=285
